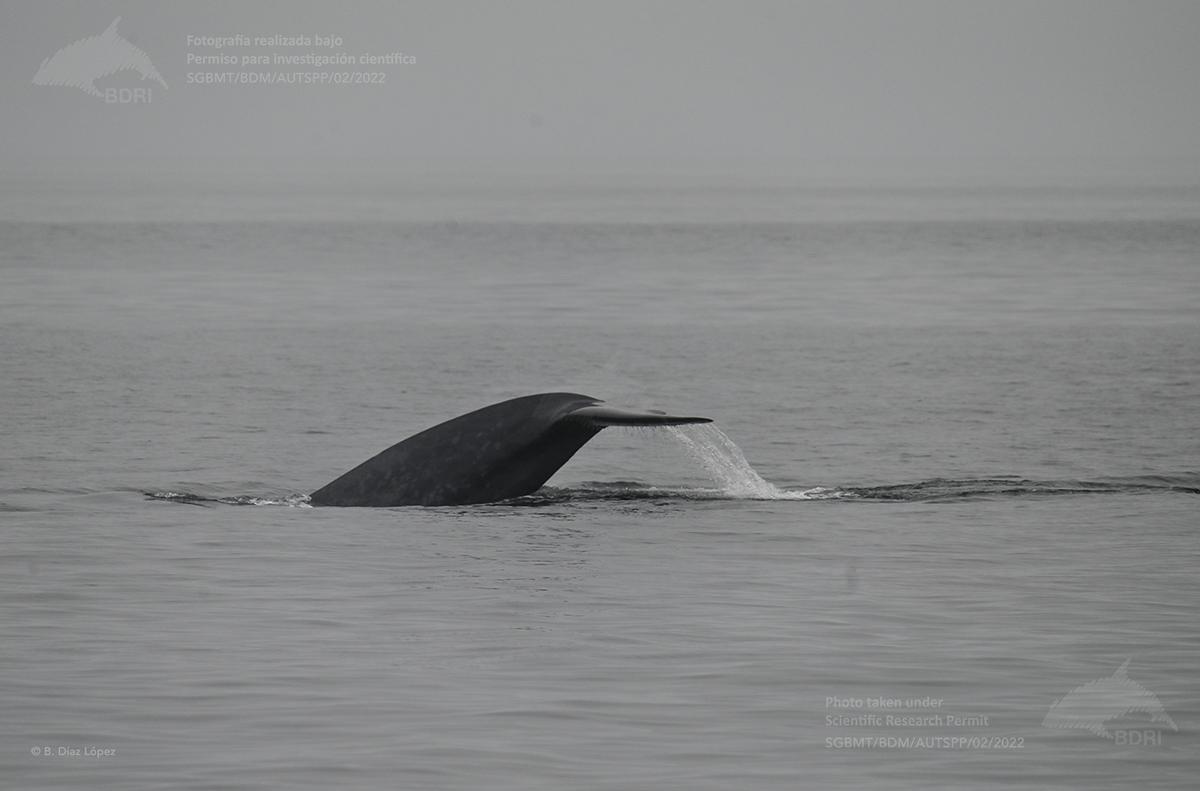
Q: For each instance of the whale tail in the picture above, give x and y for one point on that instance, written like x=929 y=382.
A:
x=495 y=453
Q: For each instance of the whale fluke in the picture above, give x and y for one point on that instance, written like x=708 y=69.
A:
x=504 y=450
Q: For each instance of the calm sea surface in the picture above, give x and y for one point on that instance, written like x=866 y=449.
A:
x=979 y=408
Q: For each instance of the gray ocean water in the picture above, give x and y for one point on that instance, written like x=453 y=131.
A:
x=976 y=411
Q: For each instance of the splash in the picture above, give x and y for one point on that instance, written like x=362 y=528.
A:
x=187 y=498
x=727 y=465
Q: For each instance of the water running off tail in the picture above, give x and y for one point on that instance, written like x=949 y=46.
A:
x=727 y=465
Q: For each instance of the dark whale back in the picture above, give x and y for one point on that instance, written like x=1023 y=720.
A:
x=503 y=450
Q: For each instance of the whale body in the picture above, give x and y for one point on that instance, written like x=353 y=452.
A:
x=501 y=451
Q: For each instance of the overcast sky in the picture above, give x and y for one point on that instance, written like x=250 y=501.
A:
x=559 y=82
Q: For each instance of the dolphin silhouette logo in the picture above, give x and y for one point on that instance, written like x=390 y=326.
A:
x=1092 y=705
x=80 y=64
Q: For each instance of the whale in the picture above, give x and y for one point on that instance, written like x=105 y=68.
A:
x=80 y=64
x=1097 y=704
x=505 y=450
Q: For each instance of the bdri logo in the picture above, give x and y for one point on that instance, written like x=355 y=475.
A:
x=80 y=64
x=1094 y=707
